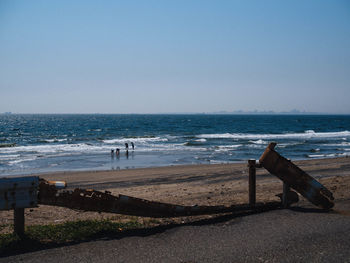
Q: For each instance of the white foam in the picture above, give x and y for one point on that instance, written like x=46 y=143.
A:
x=9 y=156
x=339 y=144
x=218 y=136
x=55 y=140
x=256 y=146
x=169 y=147
x=259 y=142
x=226 y=148
x=326 y=155
x=32 y=158
x=306 y=135
x=135 y=140
x=47 y=149
x=233 y=146
x=57 y=150
x=309 y=131
x=321 y=155
x=200 y=140
x=284 y=145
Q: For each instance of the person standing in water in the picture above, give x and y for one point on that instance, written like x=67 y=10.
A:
x=132 y=145
x=127 y=150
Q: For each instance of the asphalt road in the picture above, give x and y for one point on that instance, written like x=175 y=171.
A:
x=303 y=234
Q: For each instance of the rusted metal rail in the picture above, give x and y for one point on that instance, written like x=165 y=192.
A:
x=92 y=200
x=296 y=178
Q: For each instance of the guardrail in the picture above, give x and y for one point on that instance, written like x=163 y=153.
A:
x=19 y=193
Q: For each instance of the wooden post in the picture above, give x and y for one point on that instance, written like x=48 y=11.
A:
x=252 y=182
x=19 y=221
x=286 y=189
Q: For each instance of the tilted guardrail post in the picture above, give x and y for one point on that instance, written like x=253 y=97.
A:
x=296 y=178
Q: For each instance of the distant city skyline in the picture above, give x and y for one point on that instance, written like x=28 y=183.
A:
x=174 y=56
x=236 y=112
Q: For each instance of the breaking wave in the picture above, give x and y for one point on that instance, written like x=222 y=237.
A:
x=309 y=134
x=135 y=140
x=330 y=155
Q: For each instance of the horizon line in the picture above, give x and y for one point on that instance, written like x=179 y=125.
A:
x=182 y=113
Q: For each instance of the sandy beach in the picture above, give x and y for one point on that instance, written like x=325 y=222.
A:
x=218 y=184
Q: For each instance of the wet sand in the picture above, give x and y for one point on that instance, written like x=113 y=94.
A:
x=217 y=184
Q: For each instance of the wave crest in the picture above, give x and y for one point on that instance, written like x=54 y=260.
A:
x=135 y=140
x=305 y=135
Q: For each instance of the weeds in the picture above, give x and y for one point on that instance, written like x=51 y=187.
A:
x=39 y=235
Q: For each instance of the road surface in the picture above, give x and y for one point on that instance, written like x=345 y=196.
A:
x=302 y=234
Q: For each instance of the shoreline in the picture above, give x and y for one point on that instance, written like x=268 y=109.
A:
x=206 y=184
x=94 y=171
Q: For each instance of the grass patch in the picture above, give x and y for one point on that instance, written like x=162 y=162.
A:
x=41 y=235
x=3 y=226
x=77 y=231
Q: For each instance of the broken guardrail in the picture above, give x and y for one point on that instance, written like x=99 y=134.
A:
x=24 y=192
x=296 y=178
x=92 y=200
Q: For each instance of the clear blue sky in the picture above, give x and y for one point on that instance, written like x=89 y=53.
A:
x=174 y=56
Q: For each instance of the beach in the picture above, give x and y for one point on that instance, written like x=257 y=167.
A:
x=216 y=184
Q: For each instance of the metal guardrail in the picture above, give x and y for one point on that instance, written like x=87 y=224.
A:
x=296 y=178
x=92 y=200
x=18 y=192
x=24 y=192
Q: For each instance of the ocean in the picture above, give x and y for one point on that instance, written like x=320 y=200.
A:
x=31 y=144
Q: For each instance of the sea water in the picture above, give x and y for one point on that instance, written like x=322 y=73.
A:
x=48 y=143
